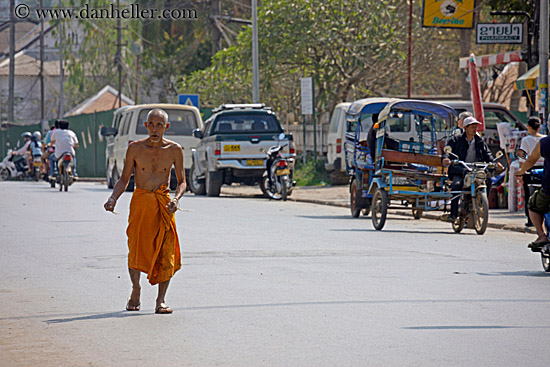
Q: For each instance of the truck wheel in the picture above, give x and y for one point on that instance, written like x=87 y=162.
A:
x=213 y=183
x=197 y=185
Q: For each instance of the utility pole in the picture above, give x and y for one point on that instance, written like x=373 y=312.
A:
x=409 y=63
x=61 y=72
x=42 y=97
x=543 y=68
x=255 y=74
x=11 y=82
x=216 y=34
x=118 y=55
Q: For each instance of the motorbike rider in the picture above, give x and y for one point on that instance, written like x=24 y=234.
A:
x=64 y=141
x=470 y=148
x=49 y=148
x=22 y=152
x=539 y=202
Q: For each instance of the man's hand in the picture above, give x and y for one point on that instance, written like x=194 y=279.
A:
x=500 y=167
x=521 y=172
x=110 y=204
x=446 y=161
x=172 y=206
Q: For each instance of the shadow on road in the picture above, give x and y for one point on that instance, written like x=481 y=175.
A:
x=516 y=274
x=100 y=316
x=427 y=231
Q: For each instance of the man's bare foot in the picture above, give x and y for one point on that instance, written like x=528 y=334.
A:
x=163 y=309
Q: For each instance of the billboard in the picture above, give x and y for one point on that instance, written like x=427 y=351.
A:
x=448 y=13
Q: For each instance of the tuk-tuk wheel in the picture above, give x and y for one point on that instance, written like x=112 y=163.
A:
x=379 y=208
x=417 y=213
x=354 y=200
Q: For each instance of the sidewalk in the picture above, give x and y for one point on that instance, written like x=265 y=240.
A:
x=339 y=196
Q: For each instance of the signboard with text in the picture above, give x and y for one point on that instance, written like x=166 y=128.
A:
x=448 y=13
x=307 y=96
x=499 y=33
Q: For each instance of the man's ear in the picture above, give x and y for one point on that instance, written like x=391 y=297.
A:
x=145 y=123
x=167 y=125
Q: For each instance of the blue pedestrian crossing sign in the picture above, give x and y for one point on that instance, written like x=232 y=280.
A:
x=189 y=99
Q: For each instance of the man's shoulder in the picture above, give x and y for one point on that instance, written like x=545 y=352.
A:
x=172 y=144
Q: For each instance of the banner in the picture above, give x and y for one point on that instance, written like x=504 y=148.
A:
x=448 y=13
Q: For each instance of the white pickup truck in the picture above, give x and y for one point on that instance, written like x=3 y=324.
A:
x=233 y=146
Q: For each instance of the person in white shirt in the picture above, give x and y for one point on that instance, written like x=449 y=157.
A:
x=528 y=144
x=19 y=161
x=64 y=141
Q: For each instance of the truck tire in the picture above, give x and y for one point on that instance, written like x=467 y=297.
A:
x=196 y=185
x=213 y=183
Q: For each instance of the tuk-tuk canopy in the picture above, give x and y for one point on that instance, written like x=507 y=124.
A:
x=422 y=108
x=367 y=105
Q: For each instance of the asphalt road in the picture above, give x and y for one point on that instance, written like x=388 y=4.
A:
x=263 y=283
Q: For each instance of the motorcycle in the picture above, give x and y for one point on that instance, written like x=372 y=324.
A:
x=65 y=176
x=8 y=168
x=276 y=182
x=473 y=210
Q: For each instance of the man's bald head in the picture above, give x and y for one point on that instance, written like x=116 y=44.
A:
x=157 y=112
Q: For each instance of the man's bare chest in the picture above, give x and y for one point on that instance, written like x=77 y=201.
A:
x=155 y=161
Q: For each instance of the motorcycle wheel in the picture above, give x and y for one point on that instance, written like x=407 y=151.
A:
x=36 y=174
x=66 y=180
x=545 y=262
x=353 y=204
x=4 y=174
x=284 y=183
x=481 y=213
x=264 y=186
x=379 y=209
x=458 y=225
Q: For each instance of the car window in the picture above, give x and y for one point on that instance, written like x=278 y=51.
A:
x=246 y=124
x=117 y=121
x=182 y=122
x=207 y=126
x=493 y=117
x=127 y=123
x=335 y=120
x=123 y=125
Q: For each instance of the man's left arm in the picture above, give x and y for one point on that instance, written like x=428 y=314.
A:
x=180 y=175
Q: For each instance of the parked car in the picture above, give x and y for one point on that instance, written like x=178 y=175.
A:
x=233 y=146
x=493 y=113
x=334 y=162
x=128 y=126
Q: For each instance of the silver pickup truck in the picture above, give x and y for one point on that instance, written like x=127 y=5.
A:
x=233 y=146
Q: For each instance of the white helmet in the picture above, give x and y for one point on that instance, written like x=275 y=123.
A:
x=26 y=134
x=37 y=135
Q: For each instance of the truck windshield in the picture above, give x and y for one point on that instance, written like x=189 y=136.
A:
x=246 y=124
x=182 y=122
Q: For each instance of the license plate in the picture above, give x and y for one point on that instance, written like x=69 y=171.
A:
x=282 y=172
x=232 y=148
x=37 y=164
x=255 y=162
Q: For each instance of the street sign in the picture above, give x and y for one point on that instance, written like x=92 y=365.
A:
x=189 y=99
x=499 y=33
x=307 y=96
x=448 y=13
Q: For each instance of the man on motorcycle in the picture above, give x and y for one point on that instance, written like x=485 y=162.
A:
x=19 y=162
x=64 y=141
x=470 y=148
x=539 y=202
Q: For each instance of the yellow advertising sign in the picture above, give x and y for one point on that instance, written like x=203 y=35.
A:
x=448 y=13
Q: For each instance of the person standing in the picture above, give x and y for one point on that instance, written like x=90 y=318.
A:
x=528 y=144
x=153 y=244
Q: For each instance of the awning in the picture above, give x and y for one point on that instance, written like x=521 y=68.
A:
x=529 y=80
x=494 y=59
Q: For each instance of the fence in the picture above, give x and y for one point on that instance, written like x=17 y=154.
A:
x=297 y=131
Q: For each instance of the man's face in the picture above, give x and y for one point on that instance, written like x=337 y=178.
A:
x=461 y=123
x=156 y=126
x=471 y=130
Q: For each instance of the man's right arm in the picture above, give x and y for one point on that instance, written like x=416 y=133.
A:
x=531 y=160
x=122 y=183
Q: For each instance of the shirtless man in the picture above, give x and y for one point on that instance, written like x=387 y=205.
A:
x=152 y=238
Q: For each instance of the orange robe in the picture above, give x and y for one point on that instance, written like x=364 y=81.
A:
x=153 y=242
